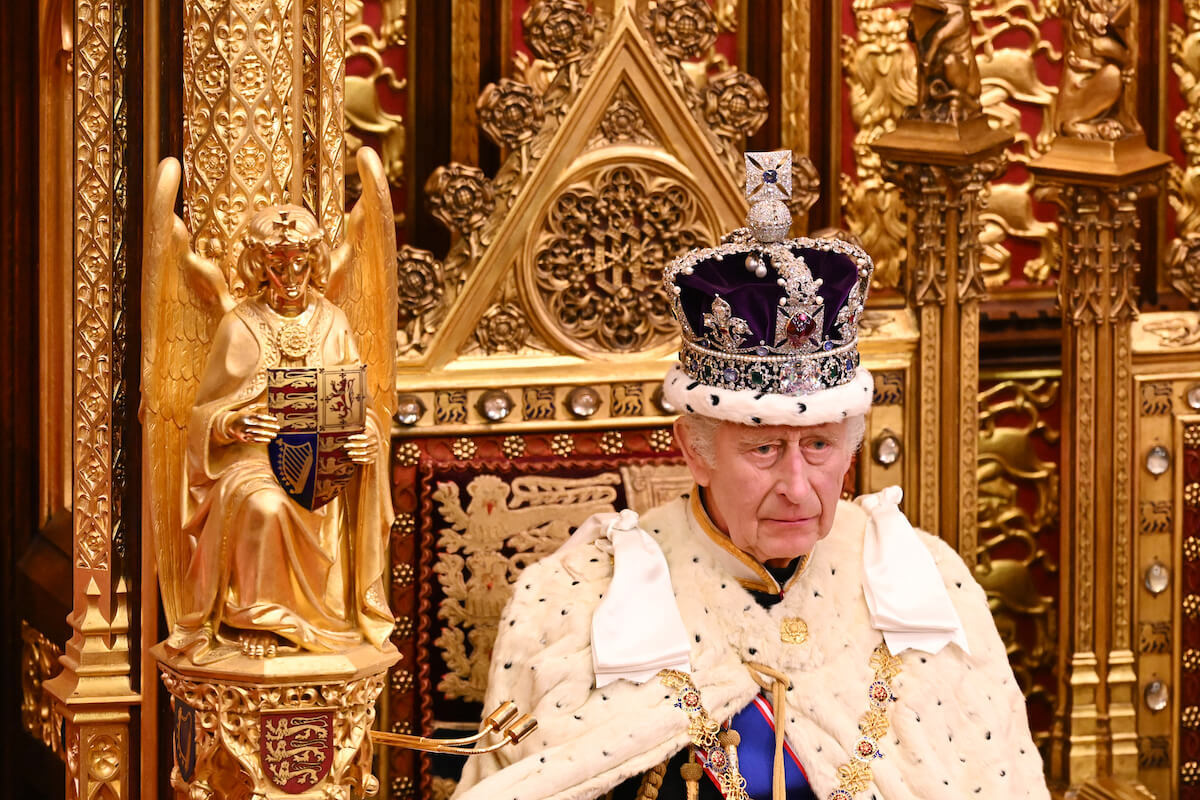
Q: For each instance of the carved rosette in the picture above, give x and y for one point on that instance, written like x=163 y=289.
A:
x=294 y=739
x=683 y=28
x=559 y=31
x=593 y=274
x=624 y=123
x=421 y=285
x=510 y=112
x=504 y=328
x=461 y=198
x=735 y=104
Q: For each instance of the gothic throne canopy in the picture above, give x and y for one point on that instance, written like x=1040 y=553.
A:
x=347 y=311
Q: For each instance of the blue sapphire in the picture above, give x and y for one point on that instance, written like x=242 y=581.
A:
x=828 y=345
x=770 y=176
x=730 y=375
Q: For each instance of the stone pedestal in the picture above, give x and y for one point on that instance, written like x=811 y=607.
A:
x=293 y=726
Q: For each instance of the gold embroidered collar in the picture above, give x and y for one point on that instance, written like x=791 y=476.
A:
x=749 y=572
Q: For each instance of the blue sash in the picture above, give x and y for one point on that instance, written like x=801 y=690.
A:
x=756 y=755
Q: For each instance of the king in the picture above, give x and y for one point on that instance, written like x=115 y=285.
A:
x=759 y=637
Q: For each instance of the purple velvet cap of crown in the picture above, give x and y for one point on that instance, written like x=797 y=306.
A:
x=757 y=300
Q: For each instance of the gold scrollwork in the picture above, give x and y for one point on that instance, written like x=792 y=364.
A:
x=39 y=662
x=501 y=529
x=880 y=69
x=364 y=108
x=1009 y=468
x=323 y=38
x=1183 y=258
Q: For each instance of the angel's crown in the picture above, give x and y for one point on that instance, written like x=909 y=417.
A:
x=763 y=313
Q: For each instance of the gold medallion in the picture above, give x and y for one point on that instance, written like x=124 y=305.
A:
x=294 y=340
x=793 y=630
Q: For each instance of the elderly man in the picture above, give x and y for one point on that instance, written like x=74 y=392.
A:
x=758 y=637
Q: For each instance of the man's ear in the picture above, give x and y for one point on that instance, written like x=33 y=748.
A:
x=701 y=469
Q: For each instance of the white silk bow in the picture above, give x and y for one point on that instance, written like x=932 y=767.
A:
x=906 y=597
x=637 y=629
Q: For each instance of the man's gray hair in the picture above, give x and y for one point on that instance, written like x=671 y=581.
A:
x=702 y=431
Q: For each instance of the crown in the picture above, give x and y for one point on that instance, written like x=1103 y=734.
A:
x=767 y=314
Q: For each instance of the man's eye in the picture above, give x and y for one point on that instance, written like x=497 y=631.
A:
x=765 y=449
x=818 y=444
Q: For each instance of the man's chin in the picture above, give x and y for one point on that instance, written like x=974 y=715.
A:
x=791 y=540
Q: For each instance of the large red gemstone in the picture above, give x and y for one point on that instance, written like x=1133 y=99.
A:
x=799 y=329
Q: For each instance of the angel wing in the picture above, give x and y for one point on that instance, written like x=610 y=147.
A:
x=183 y=299
x=362 y=282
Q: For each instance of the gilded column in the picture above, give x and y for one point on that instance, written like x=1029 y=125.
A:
x=243 y=117
x=324 y=45
x=1096 y=171
x=93 y=693
x=941 y=155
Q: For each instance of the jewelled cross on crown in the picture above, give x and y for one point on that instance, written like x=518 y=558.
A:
x=768 y=175
x=768 y=185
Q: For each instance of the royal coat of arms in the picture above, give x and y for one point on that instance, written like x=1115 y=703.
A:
x=296 y=748
x=317 y=409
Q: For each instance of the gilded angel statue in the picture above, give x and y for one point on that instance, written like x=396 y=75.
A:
x=266 y=422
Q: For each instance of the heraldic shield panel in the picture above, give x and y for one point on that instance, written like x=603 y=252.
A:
x=318 y=410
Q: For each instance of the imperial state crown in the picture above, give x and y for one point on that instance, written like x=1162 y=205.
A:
x=770 y=324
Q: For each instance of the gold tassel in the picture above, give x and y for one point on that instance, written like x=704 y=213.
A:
x=691 y=772
x=652 y=782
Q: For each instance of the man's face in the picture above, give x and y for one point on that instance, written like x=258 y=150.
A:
x=288 y=273
x=775 y=489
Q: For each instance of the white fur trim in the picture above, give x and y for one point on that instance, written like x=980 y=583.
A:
x=958 y=729
x=766 y=408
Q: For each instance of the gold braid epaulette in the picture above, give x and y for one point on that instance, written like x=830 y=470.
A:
x=704 y=733
x=855 y=776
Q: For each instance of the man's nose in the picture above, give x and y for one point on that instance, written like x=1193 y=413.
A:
x=792 y=478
